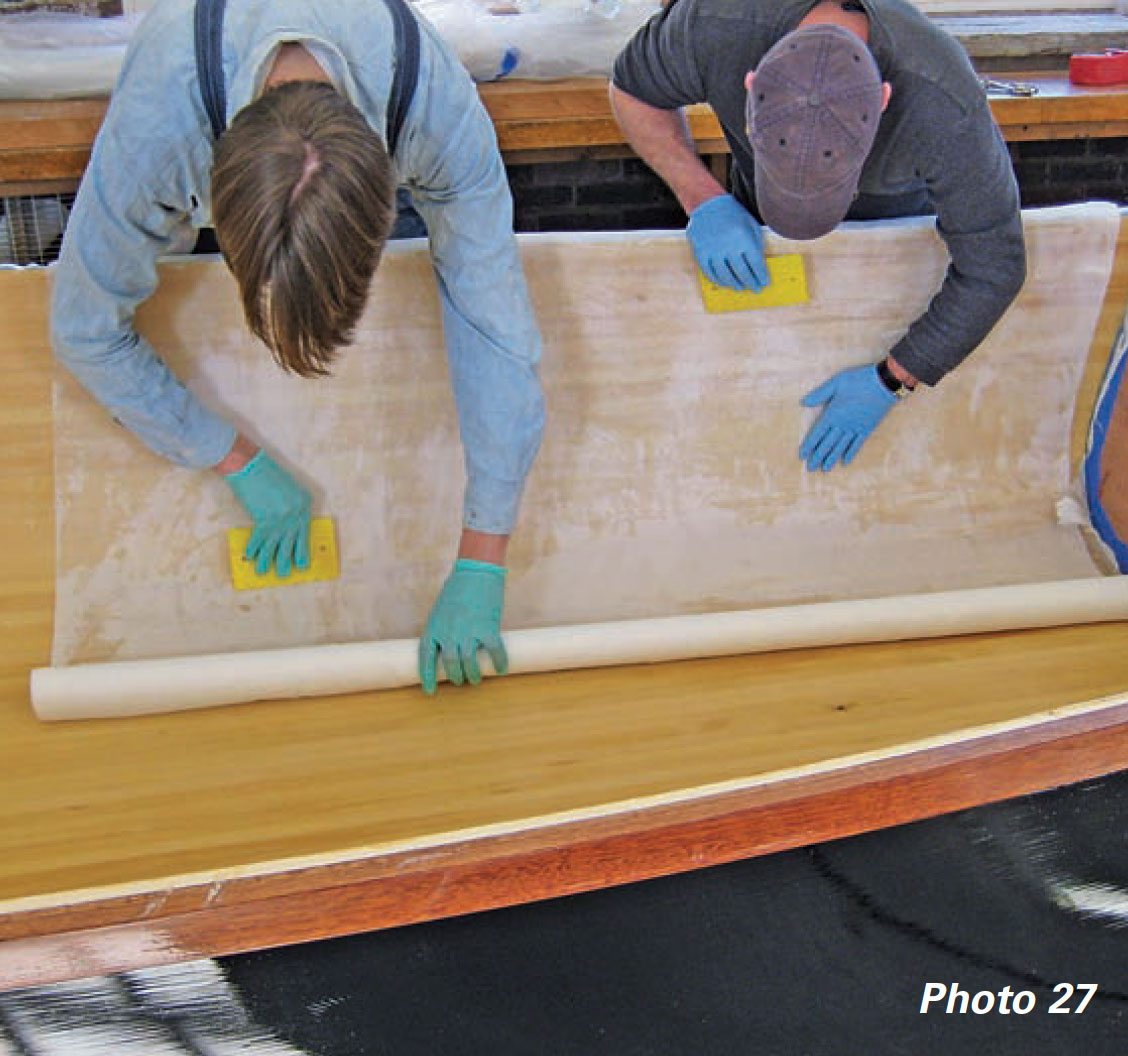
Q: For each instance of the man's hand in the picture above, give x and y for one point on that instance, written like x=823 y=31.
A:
x=856 y=401
x=280 y=508
x=728 y=244
x=466 y=617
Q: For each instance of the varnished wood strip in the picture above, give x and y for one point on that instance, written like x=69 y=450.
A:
x=51 y=139
x=521 y=100
x=57 y=163
x=487 y=874
x=518 y=134
x=1108 y=326
x=27 y=491
x=45 y=124
x=1094 y=109
x=1068 y=130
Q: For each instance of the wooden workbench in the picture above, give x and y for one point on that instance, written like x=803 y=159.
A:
x=127 y=843
x=45 y=145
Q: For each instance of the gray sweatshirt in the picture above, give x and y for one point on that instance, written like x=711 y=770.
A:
x=938 y=149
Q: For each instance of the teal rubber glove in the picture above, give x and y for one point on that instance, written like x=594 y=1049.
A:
x=728 y=243
x=856 y=402
x=280 y=508
x=466 y=617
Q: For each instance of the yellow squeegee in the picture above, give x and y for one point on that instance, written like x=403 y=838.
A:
x=323 y=562
x=788 y=286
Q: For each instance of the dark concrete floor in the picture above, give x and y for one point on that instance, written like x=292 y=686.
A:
x=824 y=950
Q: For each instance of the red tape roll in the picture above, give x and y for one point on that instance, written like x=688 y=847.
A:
x=1109 y=67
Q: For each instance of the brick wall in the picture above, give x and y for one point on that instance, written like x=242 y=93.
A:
x=623 y=194
x=1069 y=170
x=613 y=195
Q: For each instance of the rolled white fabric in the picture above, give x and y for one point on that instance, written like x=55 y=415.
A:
x=139 y=687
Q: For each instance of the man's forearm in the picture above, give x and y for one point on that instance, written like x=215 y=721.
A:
x=661 y=138
x=242 y=451
x=902 y=375
x=483 y=546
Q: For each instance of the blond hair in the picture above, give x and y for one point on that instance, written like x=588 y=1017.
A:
x=303 y=200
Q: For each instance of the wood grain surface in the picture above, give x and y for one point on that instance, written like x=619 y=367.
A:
x=134 y=842
x=44 y=141
x=1114 y=464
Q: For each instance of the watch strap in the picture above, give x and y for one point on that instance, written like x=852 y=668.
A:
x=890 y=380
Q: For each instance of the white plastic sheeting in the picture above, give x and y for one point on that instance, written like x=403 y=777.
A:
x=54 y=55
x=539 y=39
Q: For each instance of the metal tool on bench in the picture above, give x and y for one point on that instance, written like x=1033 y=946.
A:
x=995 y=87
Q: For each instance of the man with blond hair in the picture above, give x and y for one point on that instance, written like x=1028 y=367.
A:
x=834 y=110
x=287 y=126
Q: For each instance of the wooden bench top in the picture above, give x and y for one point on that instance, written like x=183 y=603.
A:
x=48 y=142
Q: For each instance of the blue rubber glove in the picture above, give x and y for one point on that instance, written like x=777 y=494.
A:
x=856 y=401
x=728 y=243
x=466 y=616
x=280 y=508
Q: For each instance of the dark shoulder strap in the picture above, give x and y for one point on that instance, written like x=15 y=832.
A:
x=209 y=65
x=407 y=69
x=209 y=62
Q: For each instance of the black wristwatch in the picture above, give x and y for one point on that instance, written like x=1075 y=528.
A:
x=890 y=380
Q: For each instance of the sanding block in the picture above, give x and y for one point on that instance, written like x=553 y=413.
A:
x=788 y=286
x=323 y=562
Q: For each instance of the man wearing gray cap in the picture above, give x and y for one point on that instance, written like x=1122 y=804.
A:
x=833 y=110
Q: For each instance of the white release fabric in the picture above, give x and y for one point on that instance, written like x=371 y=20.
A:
x=669 y=482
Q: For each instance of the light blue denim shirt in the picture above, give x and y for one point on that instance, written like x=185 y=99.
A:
x=150 y=173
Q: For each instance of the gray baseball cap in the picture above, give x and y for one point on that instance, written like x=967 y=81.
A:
x=813 y=110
